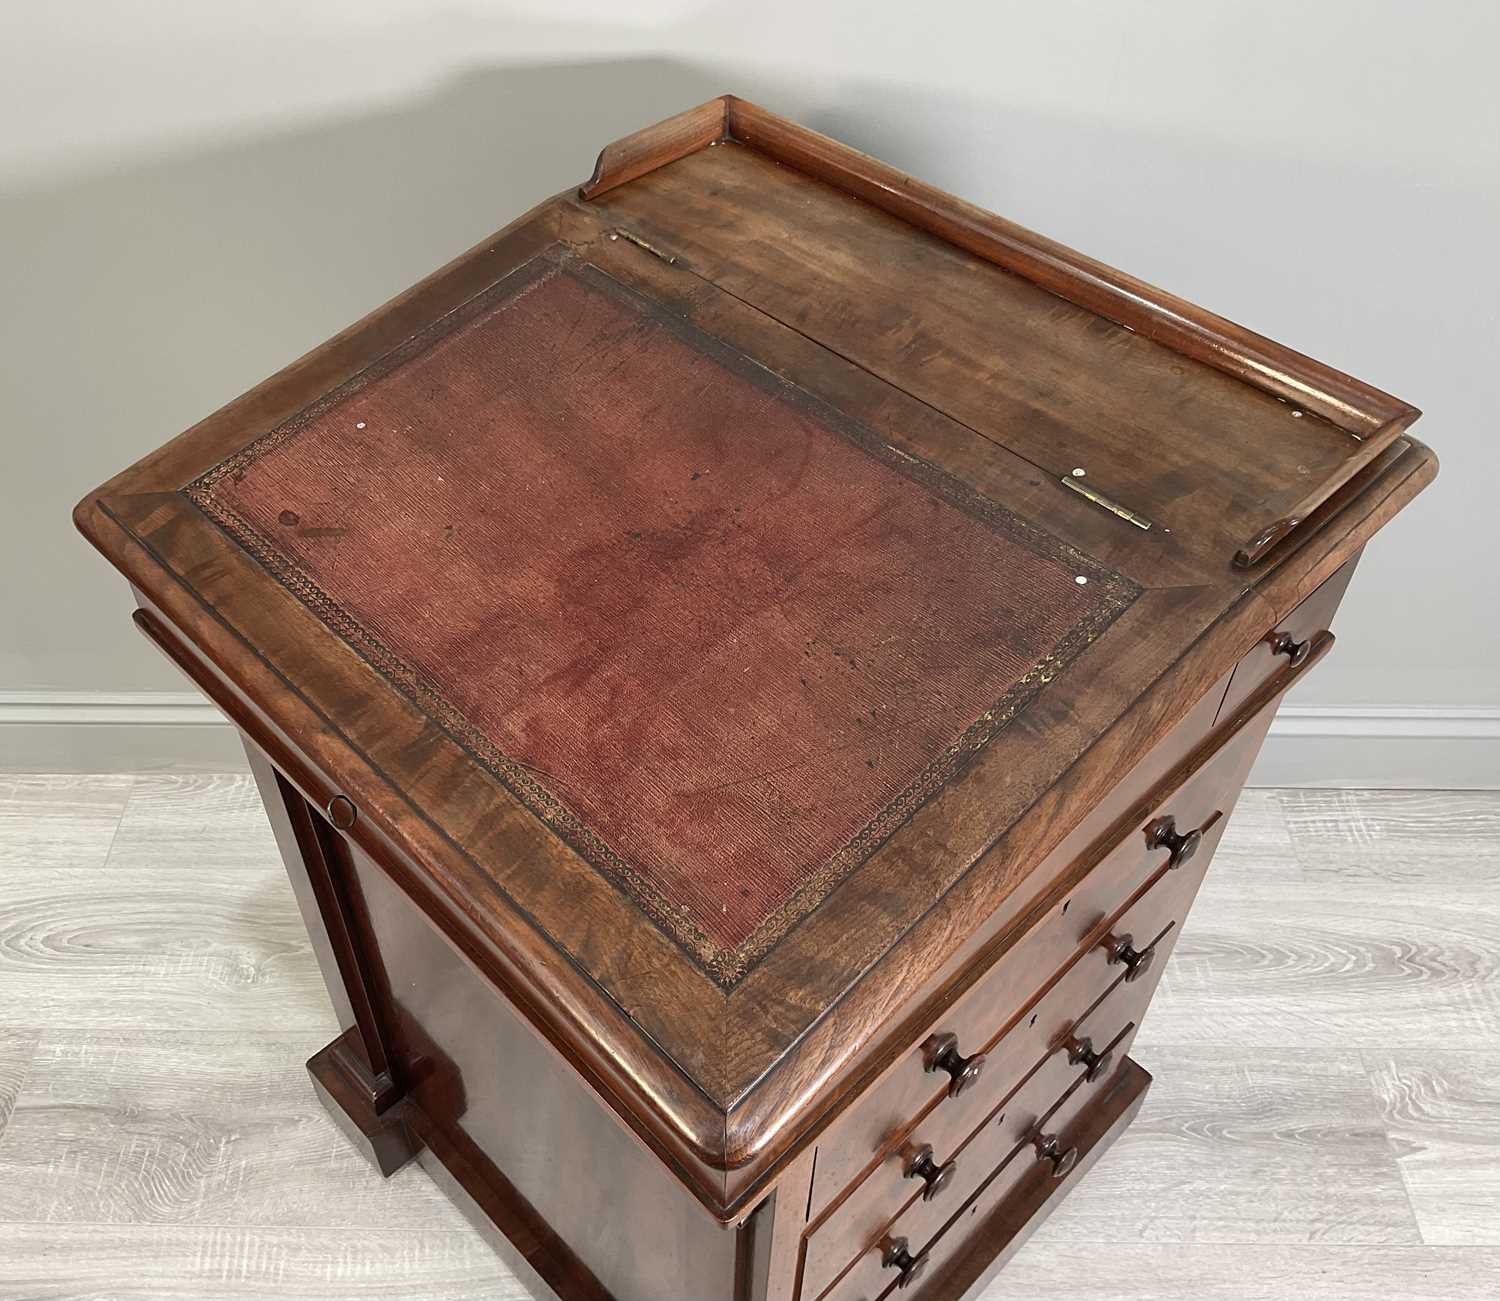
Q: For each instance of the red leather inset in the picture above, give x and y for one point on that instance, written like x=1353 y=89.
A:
x=720 y=639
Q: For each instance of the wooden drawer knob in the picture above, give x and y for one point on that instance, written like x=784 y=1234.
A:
x=1081 y=1052
x=897 y=1255
x=1121 y=948
x=943 y=1055
x=1049 y=1148
x=923 y=1165
x=1283 y=643
x=1162 y=833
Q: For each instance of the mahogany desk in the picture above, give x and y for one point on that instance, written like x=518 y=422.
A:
x=748 y=668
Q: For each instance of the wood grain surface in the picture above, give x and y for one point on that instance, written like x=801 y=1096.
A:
x=1059 y=1270
x=1247 y=1144
x=58 y=821
x=1441 y=1111
x=1345 y=921
x=17 y=1048
x=143 y=1261
x=1325 y=1121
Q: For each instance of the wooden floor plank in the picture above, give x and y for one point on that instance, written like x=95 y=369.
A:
x=1056 y=1267
x=1328 y=973
x=207 y=1129
x=1257 y=833
x=171 y=949
x=1388 y=933
x=1325 y=1122
x=1247 y=1145
x=59 y=819
x=140 y=1262
x=1442 y=1113
x=195 y=821
x=17 y=1048
x=1397 y=833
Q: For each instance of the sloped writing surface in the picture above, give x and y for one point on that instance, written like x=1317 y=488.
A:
x=722 y=639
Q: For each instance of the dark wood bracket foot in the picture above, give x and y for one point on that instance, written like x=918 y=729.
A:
x=369 y=1109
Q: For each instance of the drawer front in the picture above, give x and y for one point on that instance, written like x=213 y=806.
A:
x=985 y=1231
x=905 y=1088
x=1073 y=1031
x=1111 y=945
x=1011 y=1015
x=1000 y=1154
x=1291 y=637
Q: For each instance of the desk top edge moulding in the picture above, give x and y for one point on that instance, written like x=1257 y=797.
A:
x=726 y=613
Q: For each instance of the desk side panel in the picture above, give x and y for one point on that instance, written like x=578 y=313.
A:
x=501 y=1097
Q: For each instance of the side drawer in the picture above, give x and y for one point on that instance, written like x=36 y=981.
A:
x=987 y=1229
x=1183 y=827
x=1290 y=639
x=1030 y=1130
x=1096 y=999
x=904 y=1088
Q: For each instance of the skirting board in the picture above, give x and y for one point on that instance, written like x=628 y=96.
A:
x=115 y=731
x=1394 y=747
x=1399 y=747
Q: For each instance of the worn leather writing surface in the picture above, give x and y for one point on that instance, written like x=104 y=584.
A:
x=720 y=638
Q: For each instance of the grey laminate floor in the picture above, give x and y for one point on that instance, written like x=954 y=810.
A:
x=1325 y=1122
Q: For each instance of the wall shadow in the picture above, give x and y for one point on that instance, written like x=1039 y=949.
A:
x=141 y=299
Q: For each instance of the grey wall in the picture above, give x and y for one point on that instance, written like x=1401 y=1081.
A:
x=191 y=195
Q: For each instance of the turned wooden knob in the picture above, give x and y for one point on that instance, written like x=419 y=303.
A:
x=923 y=1165
x=1283 y=643
x=897 y=1255
x=943 y=1055
x=1081 y=1053
x=1162 y=833
x=1049 y=1148
x=1121 y=948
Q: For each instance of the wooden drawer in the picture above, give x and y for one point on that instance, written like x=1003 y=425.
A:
x=863 y=1219
x=1294 y=634
x=1000 y=1005
x=985 y=1231
x=1091 y=1000
x=1031 y=1042
x=904 y=1088
x=1001 y=1152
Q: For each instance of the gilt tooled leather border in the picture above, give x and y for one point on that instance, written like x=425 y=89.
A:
x=1114 y=594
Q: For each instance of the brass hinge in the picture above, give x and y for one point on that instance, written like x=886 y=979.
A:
x=619 y=232
x=1113 y=507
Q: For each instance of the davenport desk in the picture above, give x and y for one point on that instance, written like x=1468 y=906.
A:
x=748 y=668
